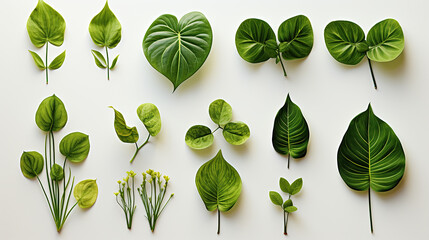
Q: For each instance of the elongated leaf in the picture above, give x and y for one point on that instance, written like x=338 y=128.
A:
x=370 y=154
x=114 y=62
x=255 y=41
x=75 y=146
x=51 y=114
x=178 y=49
x=57 y=173
x=38 y=60
x=199 y=137
x=284 y=185
x=45 y=25
x=125 y=133
x=218 y=184
x=236 y=133
x=149 y=115
x=99 y=59
x=385 y=40
x=105 y=29
x=58 y=61
x=31 y=164
x=342 y=39
x=291 y=209
x=296 y=37
x=296 y=186
x=220 y=112
x=276 y=198
x=290 y=132
x=85 y=193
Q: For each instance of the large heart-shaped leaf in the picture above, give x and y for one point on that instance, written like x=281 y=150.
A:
x=45 y=25
x=296 y=37
x=31 y=164
x=345 y=41
x=150 y=117
x=105 y=29
x=385 y=40
x=255 y=41
x=75 y=146
x=51 y=114
x=290 y=132
x=125 y=134
x=178 y=49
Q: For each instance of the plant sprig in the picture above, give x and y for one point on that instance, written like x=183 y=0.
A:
x=125 y=197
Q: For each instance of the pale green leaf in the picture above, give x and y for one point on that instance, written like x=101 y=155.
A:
x=385 y=40
x=150 y=117
x=38 y=60
x=236 y=133
x=199 y=137
x=114 y=62
x=105 y=29
x=291 y=209
x=220 y=112
x=125 y=133
x=58 y=61
x=85 y=193
x=99 y=59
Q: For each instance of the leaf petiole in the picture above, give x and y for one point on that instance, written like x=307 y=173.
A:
x=46 y=62
x=218 y=221
x=108 y=65
x=370 y=212
x=283 y=66
x=372 y=73
x=138 y=148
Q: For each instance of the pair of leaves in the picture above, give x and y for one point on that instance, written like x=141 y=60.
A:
x=101 y=62
x=177 y=49
x=86 y=192
x=277 y=199
x=55 y=64
x=236 y=133
x=291 y=189
x=256 y=41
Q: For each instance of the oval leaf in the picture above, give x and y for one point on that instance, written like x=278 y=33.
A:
x=75 y=146
x=287 y=203
x=276 y=198
x=57 y=173
x=370 y=154
x=220 y=112
x=114 y=62
x=284 y=185
x=125 y=133
x=386 y=41
x=38 y=60
x=149 y=115
x=199 y=137
x=58 y=61
x=290 y=132
x=341 y=39
x=178 y=49
x=291 y=209
x=51 y=114
x=86 y=193
x=296 y=186
x=296 y=36
x=105 y=29
x=45 y=25
x=255 y=41
x=218 y=184
x=31 y=164
x=236 y=133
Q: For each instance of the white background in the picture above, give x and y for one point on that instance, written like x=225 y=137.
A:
x=329 y=94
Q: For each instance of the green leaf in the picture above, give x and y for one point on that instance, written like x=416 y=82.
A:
x=178 y=49
x=386 y=41
x=370 y=154
x=149 y=115
x=276 y=198
x=38 y=60
x=284 y=185
x=31 y=164
x=296 y=37
x=45 y=25
x=58 y=61
x=291 y=209
x=57 y=173
x=85 y=193
x=236 y=133
x=114 y=62
x=290 y=132
x=199 y=137
x=51 y=114
x=342 y=38
x=218 y=184
x=75 y=146
x=99 y=59
x=125 y=133
x=255 y=41
x=220 y=112
x=287 y=203
x=105 y=29
x=296 y=186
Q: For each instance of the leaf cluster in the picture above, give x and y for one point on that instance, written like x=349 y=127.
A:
x=290 y=189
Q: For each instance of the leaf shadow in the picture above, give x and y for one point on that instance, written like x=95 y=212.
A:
x=205 y=154
x=394 y=70
x=241 y=149
x=295 y=65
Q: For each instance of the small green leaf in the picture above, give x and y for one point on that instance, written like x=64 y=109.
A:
x=296 y=186
x=85 y=193
x=220 y=112
x=75 y=146
x=105 y=29
x=51 y=114
x=57 y=173
x=291 y=209
x=125 y=133
x=199 y=137
x=99 y=59
x=149 y=115
x=31 y=164
x=284 y=185
x=38 y=60
x=236 y=133
x=295 y=37
x=58 y=61
x=287 y=203
x=276 y=198
x=114 y=62
x=385 y=40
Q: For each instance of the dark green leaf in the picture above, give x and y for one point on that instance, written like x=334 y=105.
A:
x=236 y=133
x=57 y=173
x=296 y=186
x=38 y=60
x=31 y=164
x=75 y=146
x=51 y=114
x=291 y=209
x=284 y=185
x=296 y=37
x=58 y=61
x=150 y=117
x=105 y=29
x=99 y=59
x=220 y=112
x=276 y=198
x=125 y=133
x=114 y=62
x=85 y=193
x=386 y=41
x=199 y=137
x=287 y=203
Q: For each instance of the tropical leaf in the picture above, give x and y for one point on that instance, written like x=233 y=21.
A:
x=385 y=40
x=295 y=37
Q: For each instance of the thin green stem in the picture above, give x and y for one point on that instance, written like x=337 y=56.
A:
x=283 y=66
x=372 y=74
x=46 y=62
x=216 y=129
x=108 y=66
x=218 y=221
x=370 y=212
x=138 y=148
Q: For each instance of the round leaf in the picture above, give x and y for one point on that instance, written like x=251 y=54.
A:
x=31 y=164
x=386 y=41
x=105 y=29
x=57 y=173
x=51 y=114
x=236 y=133
x=220 y=112
x=199 y=137
x=86 y=193
x=341 y=39
x=218 y=184
x=178 y=49
x=296 y=37
x=125 y=133
x=255 y=41
x=75 y=146
x=149 y=115
x=276 y=198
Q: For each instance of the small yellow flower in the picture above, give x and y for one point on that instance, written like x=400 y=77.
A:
x=116 y=193
x=166 y=178
x=119 y=181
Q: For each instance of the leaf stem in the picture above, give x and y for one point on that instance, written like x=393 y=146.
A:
x=288 y=160
x=372 y=73
x=283 y=66
x=46 y=62
x=108 y=65
x=216 y=129
x=138 y=148
x=218 y=221
x=370 y=212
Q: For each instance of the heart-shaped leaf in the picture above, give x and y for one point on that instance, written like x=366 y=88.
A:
x=276 y=198
x=178 y=49
x=51 y=114
x=105 y=29
x=38 y=60
x=75 y=146
x=31 y=164
x=58 y=61
x=236 y=133
x=85 y=193
x=220 y=112
x=125 y=133
x=386 y=41
x=149 y=115
x=296 y=37
x=199 y=137
x=57 y=173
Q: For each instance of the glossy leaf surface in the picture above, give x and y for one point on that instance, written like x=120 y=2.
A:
x=236 y=133
x=51 y=114
x=105 y=29
x=75 y=146
x=385 y=40
x=85 y=193
x=31 y=164
x=199 y=137
x=149 y=115
x=125 y=134
x=220 y=112
x=296 y=37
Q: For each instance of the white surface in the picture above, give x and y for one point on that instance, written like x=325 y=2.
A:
x=329 y=94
